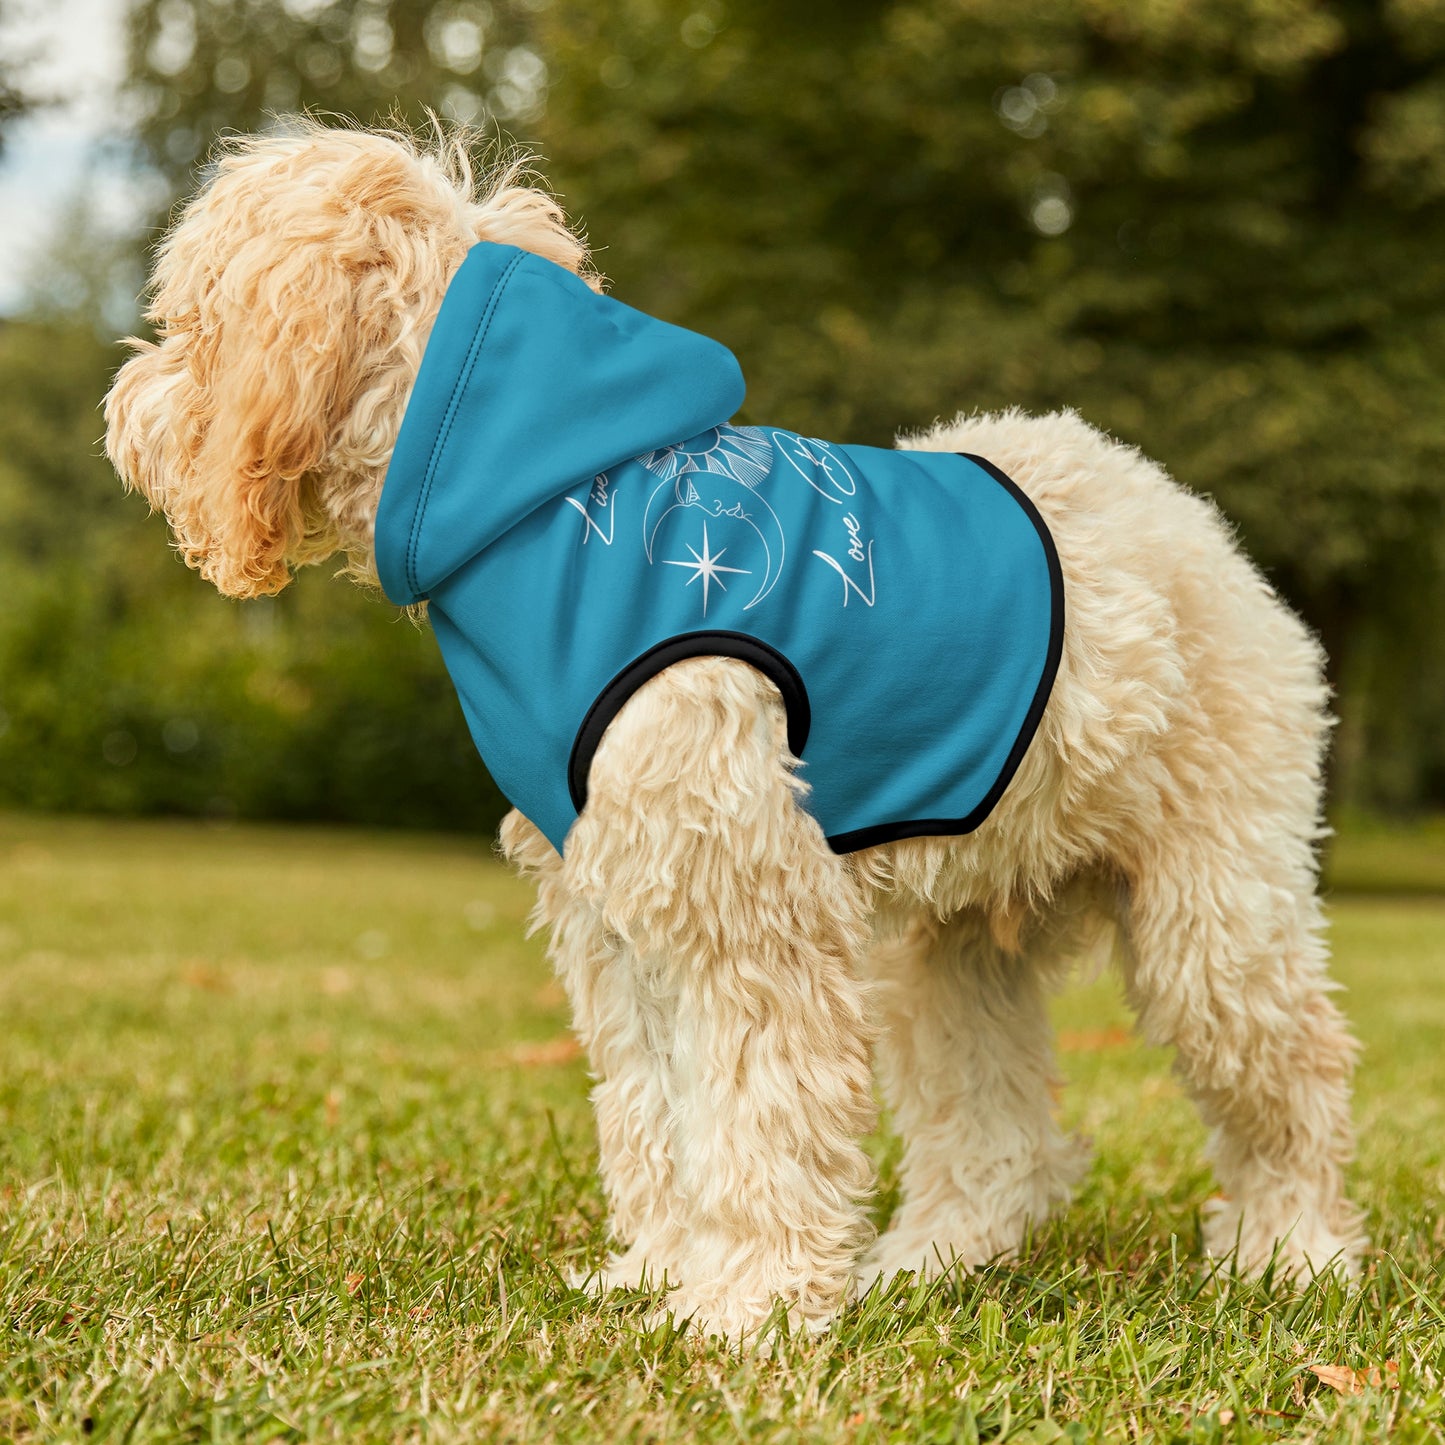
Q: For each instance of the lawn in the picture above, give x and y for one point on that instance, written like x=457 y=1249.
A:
x=293 y=1145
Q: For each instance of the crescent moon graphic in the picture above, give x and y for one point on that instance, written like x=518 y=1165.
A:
x=719 y=472
x=720 y=496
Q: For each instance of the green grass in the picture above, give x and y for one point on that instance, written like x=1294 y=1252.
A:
x=1369 y=855
x=285 y=1154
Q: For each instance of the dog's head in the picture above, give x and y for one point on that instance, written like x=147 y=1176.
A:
x=292 y=301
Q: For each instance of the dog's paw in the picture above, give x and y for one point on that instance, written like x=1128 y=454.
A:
x=901 y=1252
x=930 y=1248
x=1298 y=1245
x=964 y=1228
x=633 y=1270
x=752 y=1324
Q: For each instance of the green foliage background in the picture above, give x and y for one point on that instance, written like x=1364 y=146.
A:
x=1215 y=227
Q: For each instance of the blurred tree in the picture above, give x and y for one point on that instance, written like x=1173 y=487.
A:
x=14 y=100
x=1216 y=227
x=201 y=67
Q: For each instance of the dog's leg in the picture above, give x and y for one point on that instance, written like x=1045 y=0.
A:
x=695 y=853
x=621 y=1010
x=625 y=1023
x=625 y=1028
x=966 y=1058
x=1228 y=966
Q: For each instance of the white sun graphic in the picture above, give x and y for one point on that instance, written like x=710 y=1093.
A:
x=705 y=565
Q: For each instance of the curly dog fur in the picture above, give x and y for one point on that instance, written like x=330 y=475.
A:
x=732 y=978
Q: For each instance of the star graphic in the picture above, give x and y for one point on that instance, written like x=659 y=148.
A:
x=706 y=566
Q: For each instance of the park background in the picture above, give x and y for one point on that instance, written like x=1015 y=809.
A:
x=294 y=1140
x=1214 y=227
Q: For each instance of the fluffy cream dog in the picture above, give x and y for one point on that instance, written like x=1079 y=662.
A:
x=730 y=976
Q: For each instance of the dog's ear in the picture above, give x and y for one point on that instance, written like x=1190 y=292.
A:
x=278 y=363
x=146 y=411
x=225 y=422
x=289 y=302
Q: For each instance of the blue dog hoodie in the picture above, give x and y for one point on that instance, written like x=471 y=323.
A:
x=568 y=495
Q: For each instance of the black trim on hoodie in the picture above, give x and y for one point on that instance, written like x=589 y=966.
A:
x=768 y=661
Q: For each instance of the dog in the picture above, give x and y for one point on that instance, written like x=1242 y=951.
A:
x=734 y=976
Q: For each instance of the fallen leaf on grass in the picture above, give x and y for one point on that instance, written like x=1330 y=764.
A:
x=1090 y=1041
x=197 y=973
x=561 y=1050
x=1345 y=1381
x=354 y=1283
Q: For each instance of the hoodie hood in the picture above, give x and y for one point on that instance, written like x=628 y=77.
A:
x=531 y=383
